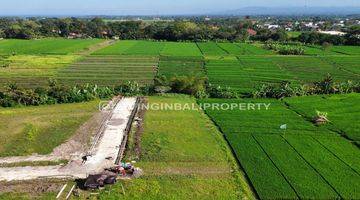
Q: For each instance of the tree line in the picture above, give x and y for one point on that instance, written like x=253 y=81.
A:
x=174 y=30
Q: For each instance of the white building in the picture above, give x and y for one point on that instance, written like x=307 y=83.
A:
x=339 y=33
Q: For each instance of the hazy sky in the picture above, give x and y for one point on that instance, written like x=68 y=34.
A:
x=146 y=7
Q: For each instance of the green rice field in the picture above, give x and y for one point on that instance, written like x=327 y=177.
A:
x=343 y=111
x=276 y=160
x=109 y=70
x=44 y=46
x=181 y=66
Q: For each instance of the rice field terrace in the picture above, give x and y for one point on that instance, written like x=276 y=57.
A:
x=109 y=70
x=300 y=161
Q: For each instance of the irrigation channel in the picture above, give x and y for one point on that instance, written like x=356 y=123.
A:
x=107 y=149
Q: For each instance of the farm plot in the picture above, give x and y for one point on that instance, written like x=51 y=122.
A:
x=344 y=180
x=211 y=49
x=243 y=49
x=276 y=160
x=231 y=48
x=343 y=111
x=181 y=66
x=33 y=70
x=110 y=70
x=118 y=48
x=309 y=69
x=251 y=120
x=181 y=49
x=318 y=50
x=349 y=50
x=29 y=130
x=184 y=156
x=254 y=49
x=145 y=48
x=349 y=63
x=246 y=73
x=45 y=46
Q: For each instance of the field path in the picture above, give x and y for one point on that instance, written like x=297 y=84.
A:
x=96 y=47
x=104 y=156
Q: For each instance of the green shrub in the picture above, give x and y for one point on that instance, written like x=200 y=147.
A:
x=325 y=86
x=220 y=92
x=285 y=49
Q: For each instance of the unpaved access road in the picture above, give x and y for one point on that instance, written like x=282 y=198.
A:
x=104 y=156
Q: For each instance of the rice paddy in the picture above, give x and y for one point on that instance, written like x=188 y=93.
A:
x=276 y=159
x=44 y=46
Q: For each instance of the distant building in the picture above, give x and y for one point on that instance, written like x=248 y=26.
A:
x=272 y=26
x=311 y=25
x=207 y=19
x=251 y=32
x=339 y=33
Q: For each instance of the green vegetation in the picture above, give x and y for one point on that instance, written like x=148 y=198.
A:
x=308 y=69
x=118 y=48
x=343 y=179
x=285 y=49
x=343 y=111
x=246 y=73
x=254 y=49
x=45 y=46
x=183 y=156
x=211 y=49
x=294 y=34
x=276 y=159
x=145 y=48
x=349 y=63
x=181 y=66
x=284 y=153
x=33 y=70
x=109 y=70
x=291 y=164
x=181 y=49
x=40 y=129
x=349 y=50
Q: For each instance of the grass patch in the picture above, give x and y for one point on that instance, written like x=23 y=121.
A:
x=40 y=129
